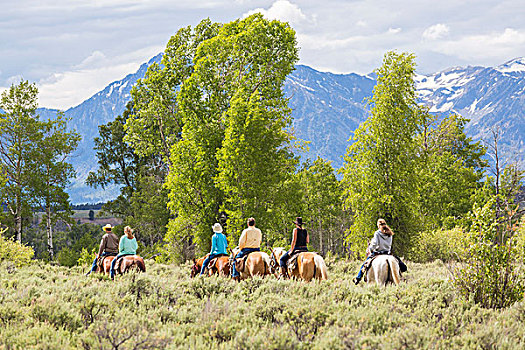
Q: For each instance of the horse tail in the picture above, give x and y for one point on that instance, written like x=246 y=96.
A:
x=266 y=260
x=140 y=264
x=321 y=267
x=393 y=275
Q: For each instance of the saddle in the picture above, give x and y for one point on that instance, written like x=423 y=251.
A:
x=292 y=261
x=214 y=260
x=100 y=261
x=240 y=263
x=119 y=261
x=368 y=263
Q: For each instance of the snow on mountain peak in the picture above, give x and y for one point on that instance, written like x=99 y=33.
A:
x=512 y=66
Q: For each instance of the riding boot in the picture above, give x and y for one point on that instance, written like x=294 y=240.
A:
x=283 y=274
x=89 y=273
x=356 y=280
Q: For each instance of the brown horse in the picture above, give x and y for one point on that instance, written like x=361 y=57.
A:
x=219 y=265
x=309 y=265
x=256 y=264
x=129 y=263
x=105 y=267
x=197 y=266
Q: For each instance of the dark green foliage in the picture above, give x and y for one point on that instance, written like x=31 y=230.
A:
x=142 y=203
x=70 y=243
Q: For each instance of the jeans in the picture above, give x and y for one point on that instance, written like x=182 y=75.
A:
x=94 y=266
x=286 y=256
x=207 y=261
x=242 y=253
x=112 y=270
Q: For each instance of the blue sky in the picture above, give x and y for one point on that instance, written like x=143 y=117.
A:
x=73 y=49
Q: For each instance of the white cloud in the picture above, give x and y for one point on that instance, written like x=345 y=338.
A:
x=477 y=48
x=394 y=30
x=437 y=31
x=15 y=79
x=92 y=60
x=72 y=87
x=285 y=11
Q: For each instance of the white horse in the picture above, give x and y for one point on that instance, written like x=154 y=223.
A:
x=309 y=265
x=384 y=269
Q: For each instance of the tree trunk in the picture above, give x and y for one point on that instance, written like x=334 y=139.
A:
x=320 y=238
x=18 y=227
x=49 y=229
x=18 y=221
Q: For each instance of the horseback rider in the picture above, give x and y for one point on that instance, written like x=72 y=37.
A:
x=381 y=243
x=219 y=246
x=108 y=247
x=250 y=241
x=300 y=239
x=127 y=246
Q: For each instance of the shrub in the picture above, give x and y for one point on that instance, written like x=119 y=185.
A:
x=86 y=257
x=15 y=252
x=446 y=245
x=491 y=276
x=67 y=257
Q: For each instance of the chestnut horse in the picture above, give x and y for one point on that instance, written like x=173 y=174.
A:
x=383 y=270
x=309 y=265
x=106 y=264
x=256 y=264
x=219 y=265
x=129 y=263
x=197 y=266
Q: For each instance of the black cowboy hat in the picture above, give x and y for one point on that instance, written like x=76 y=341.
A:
x=298 y=221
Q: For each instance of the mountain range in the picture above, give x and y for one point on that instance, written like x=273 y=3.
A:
x=327 y=108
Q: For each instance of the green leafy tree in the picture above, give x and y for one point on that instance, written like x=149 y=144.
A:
x=379 y=175
x=492 y=275
x=53 y=174
x=451 y=168
x=117 y=163
x=21 y=133
x=322 y=202
x=156 y=123
x=142 y=202
x=234 y=155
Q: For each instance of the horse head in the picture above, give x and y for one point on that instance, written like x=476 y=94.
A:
x=196 y=268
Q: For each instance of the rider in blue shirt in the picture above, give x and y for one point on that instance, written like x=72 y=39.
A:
x=219 y=246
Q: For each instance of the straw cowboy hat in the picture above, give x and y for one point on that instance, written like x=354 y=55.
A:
x=217 y=227
x=107 y=228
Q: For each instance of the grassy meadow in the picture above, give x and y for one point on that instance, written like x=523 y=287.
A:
x=51 y=307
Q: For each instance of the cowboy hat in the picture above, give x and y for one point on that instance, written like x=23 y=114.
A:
x=217 y=227
x=298 y=221
x=107 y=228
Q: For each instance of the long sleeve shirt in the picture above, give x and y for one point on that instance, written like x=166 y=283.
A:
x=108 y=244
x=250 y=238
x=219 y=244
x=381 y=242
x=128 y=246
